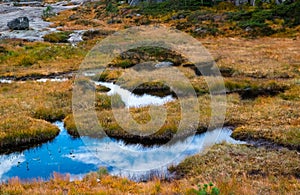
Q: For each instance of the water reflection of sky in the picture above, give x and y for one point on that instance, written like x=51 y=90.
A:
x=68 y=155
x=132 y=100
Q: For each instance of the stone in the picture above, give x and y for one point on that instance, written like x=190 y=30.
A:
x=248 y=29
x=200 y=30
x=21 y=23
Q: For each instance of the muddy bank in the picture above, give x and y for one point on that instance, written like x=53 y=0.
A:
x=252 y=93
x=265 y=143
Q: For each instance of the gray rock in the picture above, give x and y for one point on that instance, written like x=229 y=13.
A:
x=174 y=17
x=21 y=23
x=200 y=30
x=181 y=16
x=248 y=29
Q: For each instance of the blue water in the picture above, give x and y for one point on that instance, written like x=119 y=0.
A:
x=79 y=156
x=42 y=161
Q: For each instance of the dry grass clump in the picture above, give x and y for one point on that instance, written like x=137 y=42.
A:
x=292 y=94
x=57 y=37
x=18 y=131
x=22 y=104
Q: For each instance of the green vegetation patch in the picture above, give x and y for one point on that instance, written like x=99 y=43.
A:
x=256 y=19
x=21 y=58
x=57 y=37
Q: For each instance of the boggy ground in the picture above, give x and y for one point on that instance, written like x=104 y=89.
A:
x=261 y=75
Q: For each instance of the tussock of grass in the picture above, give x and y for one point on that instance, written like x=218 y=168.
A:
x=144 y=54
x=22 y=104
x=23 y=131
x=249 y=88
x=91 y=34
x=292 y=94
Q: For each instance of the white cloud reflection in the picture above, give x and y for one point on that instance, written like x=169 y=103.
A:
x=7 y=162
x=132 y=100
x=136 y=159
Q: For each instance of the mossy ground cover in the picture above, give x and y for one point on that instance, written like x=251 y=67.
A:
x=20 y=58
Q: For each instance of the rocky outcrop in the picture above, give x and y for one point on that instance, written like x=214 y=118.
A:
x=21 y=23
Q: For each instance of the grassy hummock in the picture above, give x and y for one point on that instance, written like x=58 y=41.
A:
x=18 y=132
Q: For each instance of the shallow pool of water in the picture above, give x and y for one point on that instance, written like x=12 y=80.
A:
x=132 y=100
x=79 y=156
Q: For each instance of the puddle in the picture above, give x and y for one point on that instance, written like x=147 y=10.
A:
x=6 y=81
x=52 y=80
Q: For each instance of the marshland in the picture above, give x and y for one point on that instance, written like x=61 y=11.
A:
x=46 y=150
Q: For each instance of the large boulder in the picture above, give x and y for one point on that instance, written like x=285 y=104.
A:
x=21 y=23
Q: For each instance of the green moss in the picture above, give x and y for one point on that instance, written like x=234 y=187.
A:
x=57 y=37
x=126 y=63
x=172 y=5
